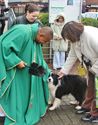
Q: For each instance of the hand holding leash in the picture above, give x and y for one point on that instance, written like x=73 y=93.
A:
x=21 y=65
x=34 y=68
x=37 y=70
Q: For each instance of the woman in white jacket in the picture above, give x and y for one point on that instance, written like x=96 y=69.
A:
x=84 y=46
x=59 y=46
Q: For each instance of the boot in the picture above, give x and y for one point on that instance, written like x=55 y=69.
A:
x=2 y=120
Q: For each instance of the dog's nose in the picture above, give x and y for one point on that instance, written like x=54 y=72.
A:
x=49 y=79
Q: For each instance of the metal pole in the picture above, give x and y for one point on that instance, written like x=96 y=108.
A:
x=50 y=53
x=81 y=2
x=6 y=3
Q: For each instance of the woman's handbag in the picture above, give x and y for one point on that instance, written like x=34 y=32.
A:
x=81 y=70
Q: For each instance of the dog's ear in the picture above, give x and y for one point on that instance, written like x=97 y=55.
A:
x=50 y=73
x=54 y=72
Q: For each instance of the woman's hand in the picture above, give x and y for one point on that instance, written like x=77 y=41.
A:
x=21 y=65
x=61 y=73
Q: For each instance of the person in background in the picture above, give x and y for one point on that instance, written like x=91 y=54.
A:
x=59 y=46
x=84 y=46
x=23 y=97
x=3 y=9
x=31 y=16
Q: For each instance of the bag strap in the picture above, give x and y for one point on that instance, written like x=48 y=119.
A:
x=86 y=61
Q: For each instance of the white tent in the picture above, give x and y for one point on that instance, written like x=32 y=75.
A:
x=70 y=8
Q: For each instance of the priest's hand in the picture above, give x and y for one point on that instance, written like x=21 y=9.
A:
x=21 y=65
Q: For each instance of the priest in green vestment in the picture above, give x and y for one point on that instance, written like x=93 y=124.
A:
x=23 y=97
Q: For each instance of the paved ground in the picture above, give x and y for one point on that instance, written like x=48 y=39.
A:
x=65 y=115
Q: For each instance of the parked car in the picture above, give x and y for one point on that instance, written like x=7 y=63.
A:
x=93 y=15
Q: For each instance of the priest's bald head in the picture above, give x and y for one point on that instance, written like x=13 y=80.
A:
x=45 y=34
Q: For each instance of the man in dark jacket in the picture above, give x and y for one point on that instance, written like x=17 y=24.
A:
x=2 y=16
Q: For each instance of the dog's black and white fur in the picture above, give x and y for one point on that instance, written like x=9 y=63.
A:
x=68 y=84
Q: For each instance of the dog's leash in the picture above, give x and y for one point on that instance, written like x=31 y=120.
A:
x=35 y=69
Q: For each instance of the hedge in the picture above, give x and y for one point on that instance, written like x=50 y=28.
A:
x=44 y=18
x=90 y=22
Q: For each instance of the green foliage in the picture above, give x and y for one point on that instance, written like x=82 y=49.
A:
x=44 y=18
x=90 y=22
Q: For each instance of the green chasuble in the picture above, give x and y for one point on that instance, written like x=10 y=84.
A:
x=23 y=97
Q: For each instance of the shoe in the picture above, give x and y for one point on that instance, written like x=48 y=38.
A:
x=82 y=110
x=2 y=119
x=78 y=107
x=74 y=102
x=94 y=119
x=86 y=117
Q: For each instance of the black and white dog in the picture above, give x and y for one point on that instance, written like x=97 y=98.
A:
x=68 y=84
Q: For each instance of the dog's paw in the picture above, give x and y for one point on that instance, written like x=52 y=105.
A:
x=50 y=102
x=74 y=102
x=56 y=104
x=78 y=107
x=52 y=108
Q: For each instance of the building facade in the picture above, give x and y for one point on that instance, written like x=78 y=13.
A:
x=90 y=5
x=28 y=1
